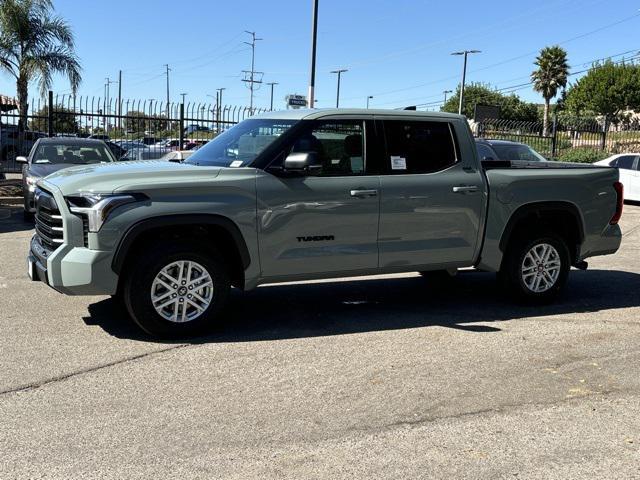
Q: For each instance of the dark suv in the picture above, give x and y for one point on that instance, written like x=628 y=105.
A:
x=506 y=150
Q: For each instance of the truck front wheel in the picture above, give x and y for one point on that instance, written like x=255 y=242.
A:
x=176 y=289
x=536 y=270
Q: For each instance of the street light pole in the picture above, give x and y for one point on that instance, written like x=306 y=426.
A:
x=445 y=95
x=314 y=37
x=219 y=101
x=369 y=98
x=339 y=72
x=464 y=75
x=272 y=84
x=107 y=106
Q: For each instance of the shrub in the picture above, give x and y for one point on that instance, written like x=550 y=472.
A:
x=582 y=155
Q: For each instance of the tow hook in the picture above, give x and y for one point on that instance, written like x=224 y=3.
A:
x=582 y=265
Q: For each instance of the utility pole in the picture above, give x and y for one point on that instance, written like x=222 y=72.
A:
x=445 y=95
x=271 y=84
x=339 y=72
x=464 y=75
x=219 y=105
x=167 y=73
x=120 y=99
x=314 y=37
x=369 y=98
x=107 y=108
x=251 y=74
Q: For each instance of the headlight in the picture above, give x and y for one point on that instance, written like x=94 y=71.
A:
x=96 y=207
x=31 y=183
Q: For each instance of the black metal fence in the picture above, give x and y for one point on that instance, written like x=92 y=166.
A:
x=126 y=121
x=565 y=133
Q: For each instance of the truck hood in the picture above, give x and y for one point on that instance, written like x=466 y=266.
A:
x=128 y=176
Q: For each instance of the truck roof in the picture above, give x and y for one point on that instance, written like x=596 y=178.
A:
x=316 y=113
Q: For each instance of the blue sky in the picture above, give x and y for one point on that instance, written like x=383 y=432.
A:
x=396 y=50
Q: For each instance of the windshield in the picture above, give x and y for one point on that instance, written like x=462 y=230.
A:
x=74 y=154
x=241 y=144
x=518 y=152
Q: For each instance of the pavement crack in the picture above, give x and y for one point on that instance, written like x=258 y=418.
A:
x=66 y=376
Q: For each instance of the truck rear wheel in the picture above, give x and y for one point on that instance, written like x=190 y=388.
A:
x=177 y=289
x=536 y=270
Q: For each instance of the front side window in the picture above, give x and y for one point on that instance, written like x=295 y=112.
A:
x=418 y=147
x=241 y=144
x=338 y=145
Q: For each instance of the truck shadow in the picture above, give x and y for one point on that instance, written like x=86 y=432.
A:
x=469 y=303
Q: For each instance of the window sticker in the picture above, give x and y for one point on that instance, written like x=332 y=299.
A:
x=398 y=163
x=236 y=163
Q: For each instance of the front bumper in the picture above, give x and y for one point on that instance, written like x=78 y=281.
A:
x=74 y=270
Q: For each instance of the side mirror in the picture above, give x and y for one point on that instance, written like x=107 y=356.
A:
x=21 y=159
x=302 y=163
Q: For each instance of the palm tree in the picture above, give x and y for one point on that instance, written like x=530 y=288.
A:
x=551 y=75
x=35 y=44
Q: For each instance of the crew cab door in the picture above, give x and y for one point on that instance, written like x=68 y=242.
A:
x=326 y=222
x=433 y=195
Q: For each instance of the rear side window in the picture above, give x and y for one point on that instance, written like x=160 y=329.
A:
x=418 y=147
x=626 y=162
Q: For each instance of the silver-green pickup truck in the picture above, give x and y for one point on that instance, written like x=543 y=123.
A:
x=308 y=194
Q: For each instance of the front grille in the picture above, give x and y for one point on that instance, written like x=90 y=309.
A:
x=49 y=225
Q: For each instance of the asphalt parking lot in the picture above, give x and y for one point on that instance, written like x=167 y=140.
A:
x=383 y=377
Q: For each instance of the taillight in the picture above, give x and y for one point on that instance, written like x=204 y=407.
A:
x=619 y=203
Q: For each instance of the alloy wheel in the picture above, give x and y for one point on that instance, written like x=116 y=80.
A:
x=182 y=291
x=541 y=267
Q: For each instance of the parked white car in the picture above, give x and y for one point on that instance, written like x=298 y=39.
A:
x=629 y=165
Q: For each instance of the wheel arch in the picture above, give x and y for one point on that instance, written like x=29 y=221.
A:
x=208 y=223
x=563 y=215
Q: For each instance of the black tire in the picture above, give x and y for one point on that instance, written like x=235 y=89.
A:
x=137 y=287
x=28 y=216
x=512 y=275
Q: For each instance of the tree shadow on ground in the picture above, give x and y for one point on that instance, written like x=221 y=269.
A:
x=377 y=304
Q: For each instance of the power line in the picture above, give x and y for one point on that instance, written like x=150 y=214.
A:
x=250 y=75
x=521 y=86
x=490 y=29
x=433 y=82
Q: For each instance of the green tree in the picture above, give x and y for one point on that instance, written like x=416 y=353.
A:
x=34 y=45
x=138 y=121
x=64 y=120
x=608 y=89
x=511 y=106
x=549 y=77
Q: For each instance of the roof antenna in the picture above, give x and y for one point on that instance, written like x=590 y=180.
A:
x=412 y=107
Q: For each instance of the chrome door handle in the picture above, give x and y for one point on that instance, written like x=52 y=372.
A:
x=363 y=193
x=465 y=189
